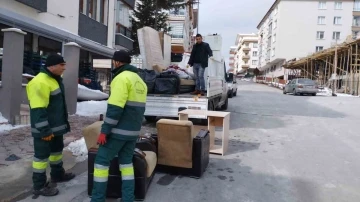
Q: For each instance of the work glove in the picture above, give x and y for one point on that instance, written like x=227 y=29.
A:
x=212 y=58
x=188 y=66
x=101 y=139
x=48 y=138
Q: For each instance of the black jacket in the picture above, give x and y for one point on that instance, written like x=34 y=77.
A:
x=204 y=53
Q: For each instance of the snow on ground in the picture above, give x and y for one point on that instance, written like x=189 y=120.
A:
x=91 y=108
x=4 y=126
x=79 y=149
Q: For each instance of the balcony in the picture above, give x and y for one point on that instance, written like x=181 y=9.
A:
x=356 y=12
x=130 y=3
x=246 y=57
x=92 y=29
x=245 y=66
x=40 y=5
x=246 y=49
x=126 y=42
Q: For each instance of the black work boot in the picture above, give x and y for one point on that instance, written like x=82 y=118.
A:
x=64 y=178
x=48 y=190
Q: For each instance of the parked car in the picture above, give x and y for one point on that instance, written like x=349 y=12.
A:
x=232 y=85
x=301 y=86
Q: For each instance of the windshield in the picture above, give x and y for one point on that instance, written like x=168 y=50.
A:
x=306 y=81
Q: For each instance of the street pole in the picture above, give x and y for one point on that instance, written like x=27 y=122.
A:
x=334 y=71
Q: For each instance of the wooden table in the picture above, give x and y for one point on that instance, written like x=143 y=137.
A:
x=215 y=119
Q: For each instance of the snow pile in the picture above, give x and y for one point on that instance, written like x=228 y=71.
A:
x=325 y=91
x=345 y=95
x=4 y=126
x=85 y=93
x=78 y=149
x=91 y=108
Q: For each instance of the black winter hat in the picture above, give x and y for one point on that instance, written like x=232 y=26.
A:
x=122 y=56
x=54 y=59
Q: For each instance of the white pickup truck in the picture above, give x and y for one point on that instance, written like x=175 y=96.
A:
x=215 y=98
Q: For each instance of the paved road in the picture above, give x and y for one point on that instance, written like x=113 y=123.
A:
x=283 y=148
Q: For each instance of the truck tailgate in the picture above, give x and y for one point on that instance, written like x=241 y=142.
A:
x=168 y=106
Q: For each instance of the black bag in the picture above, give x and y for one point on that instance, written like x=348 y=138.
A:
x=149 y=77
x=167 y=83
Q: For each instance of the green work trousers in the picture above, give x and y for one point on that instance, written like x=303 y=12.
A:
x=47 y=152
x=125 y=151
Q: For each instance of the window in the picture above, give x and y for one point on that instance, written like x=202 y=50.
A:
x=255 y=45
x=177 y=30
x=275 y=24
x=321 y=20
x=274 y=38
x=356 y=21
x=338 y=5
x=337 y=20
x=357 y=5
x=322 y=5
x=320 y=35
x=273 y=52
x=319 y=48
x=336 y=35
x=92 y=9
x=255 y=54
x=177 y=12
x=254 y=62
x=355 y=34
x=102 y=12
x=81 y=6
x=123 y=15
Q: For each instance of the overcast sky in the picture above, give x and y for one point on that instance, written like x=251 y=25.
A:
x=229 y=17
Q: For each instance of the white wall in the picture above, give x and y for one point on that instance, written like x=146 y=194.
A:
x=67 y=8
x=296 y=31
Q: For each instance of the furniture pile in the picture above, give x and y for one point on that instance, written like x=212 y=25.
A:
x=179 y=147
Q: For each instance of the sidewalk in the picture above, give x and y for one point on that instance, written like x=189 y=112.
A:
x=16 y=175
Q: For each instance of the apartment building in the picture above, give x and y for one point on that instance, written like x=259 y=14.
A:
x=232 y=59
x=98 y=26
x=356 y=20
x=297 y=28
x=182 y=21
x=246 y=53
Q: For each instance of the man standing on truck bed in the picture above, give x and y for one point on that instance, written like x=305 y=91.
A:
x=199 y=61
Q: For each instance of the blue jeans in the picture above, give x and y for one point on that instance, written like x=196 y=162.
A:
x=199 y=76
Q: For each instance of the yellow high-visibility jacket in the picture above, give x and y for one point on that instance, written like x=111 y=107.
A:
x=48 y=112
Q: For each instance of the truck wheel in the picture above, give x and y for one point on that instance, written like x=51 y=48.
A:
x=235 y=93
x=225 y=105
x=230 y=95
x=150 y=118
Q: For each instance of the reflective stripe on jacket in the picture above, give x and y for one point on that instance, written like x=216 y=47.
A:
x=48 y=112
x=126 y=104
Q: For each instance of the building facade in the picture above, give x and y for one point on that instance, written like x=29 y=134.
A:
x=246 y=53
x=182 y=21
x=81 y=30
x=232 y=59
x=286 y=32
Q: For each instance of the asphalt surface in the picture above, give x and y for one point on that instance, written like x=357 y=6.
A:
x=283 y=148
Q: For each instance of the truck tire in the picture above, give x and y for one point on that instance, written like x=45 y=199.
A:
x=225 y=105
x=150 y=118
x=230 y=94
x=235 y=93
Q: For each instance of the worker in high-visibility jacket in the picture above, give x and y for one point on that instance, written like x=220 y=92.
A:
x=49 y=122
x=121 y=127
